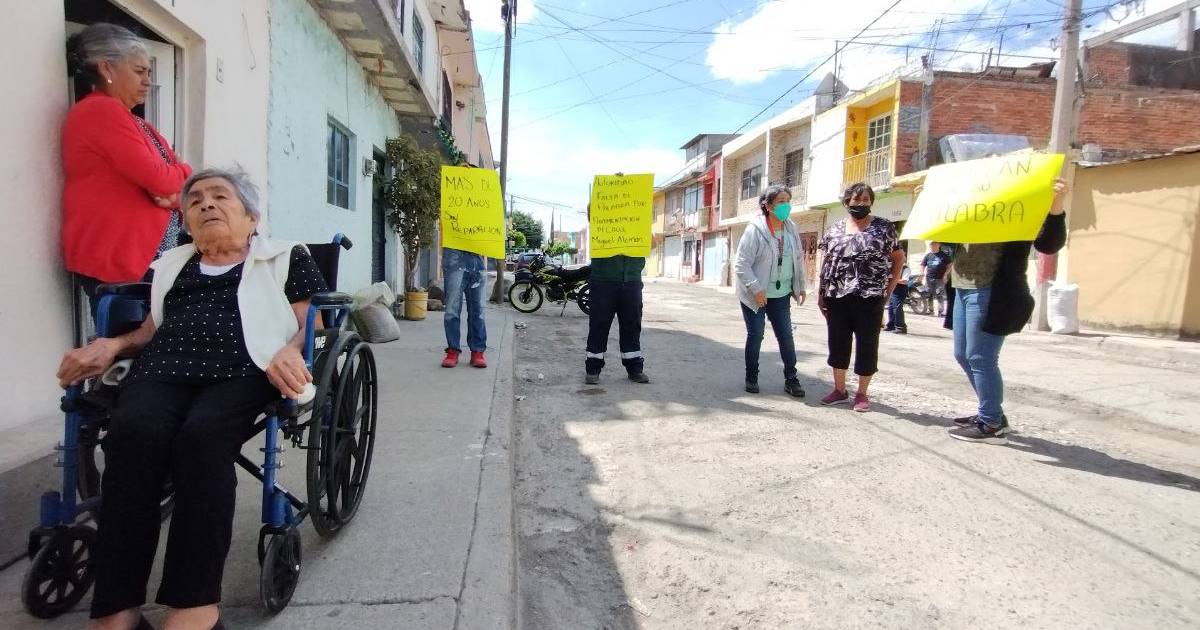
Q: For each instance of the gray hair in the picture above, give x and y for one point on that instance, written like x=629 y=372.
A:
x=772 y=193
x=246 y=191
x=98 y=43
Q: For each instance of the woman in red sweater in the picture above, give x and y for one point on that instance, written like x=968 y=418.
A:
x=122 y=179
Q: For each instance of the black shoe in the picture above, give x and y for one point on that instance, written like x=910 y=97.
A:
x=591 y=379
x=889 y=328
x=752 y=385
x=966 y=421
x=792 y=386
x=639 y=377
x=981 y=433
x=901 y=331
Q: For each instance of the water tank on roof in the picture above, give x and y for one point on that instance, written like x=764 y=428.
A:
x=960 y=147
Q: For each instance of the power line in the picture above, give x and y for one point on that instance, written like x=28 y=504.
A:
x=815 y=68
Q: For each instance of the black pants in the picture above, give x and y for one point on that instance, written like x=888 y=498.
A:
x=191 y=433
x=623 y=300
x=895 y=308
x=858 y=319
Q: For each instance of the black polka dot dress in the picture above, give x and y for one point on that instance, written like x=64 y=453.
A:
x=201 y=339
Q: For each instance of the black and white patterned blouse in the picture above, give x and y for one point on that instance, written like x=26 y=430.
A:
x=857 y=264
x=201 y=339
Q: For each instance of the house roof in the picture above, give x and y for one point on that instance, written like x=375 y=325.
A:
x=1193 y=148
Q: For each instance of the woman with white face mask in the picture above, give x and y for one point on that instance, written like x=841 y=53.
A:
x=770 y=273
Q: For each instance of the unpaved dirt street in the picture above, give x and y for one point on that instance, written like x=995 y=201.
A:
x=688 y=503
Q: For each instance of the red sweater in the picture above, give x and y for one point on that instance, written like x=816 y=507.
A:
x=111 y=225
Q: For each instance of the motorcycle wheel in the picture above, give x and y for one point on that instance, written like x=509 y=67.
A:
x=584 y=298
x=525 y=296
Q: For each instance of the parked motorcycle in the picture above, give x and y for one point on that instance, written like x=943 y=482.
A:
x=539 y=282
x=920 y=299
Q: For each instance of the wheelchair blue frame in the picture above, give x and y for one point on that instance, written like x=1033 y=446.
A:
x=281 y=509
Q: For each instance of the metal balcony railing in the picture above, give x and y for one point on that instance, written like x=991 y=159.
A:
x=872 y=167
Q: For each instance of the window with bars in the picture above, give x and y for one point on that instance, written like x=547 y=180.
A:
x=400 y=14
x=338 y=158
x=751 y=181
x=419 y=43
x=879 y=133
x=793 y=168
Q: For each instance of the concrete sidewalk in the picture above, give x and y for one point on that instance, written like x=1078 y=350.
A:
x=432 y=546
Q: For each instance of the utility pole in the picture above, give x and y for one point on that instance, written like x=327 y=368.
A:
x=1061 y=131
x=508 y=11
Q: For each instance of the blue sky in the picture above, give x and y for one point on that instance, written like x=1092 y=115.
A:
x=598 y=89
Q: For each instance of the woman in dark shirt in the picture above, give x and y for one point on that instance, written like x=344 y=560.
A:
x=858 y=274
x=223 y=341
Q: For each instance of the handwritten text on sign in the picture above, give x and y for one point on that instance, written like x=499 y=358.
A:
x=472 y=211
x=991 y=200
x=620 y=217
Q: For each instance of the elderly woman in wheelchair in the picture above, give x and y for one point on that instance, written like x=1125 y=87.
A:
x=225 y=339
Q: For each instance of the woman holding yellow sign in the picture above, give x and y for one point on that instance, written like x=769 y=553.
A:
x=991 y=300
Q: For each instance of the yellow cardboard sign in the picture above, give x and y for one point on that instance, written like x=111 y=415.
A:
x=472 y=211
x=620 y=216
x=990 y=200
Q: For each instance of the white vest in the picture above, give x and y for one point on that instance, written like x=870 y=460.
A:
x=268 y=321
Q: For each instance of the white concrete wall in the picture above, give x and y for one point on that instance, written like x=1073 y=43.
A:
x=314 y=78
x=827 y=149
x=34 y=298
x=431 y=72
x=224 y=78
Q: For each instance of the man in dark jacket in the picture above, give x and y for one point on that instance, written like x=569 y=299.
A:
x=616 y=290
x=991 y=299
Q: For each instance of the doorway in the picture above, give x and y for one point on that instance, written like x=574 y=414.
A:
x=378 y=221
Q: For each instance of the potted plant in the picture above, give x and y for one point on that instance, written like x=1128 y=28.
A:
x=412 y=204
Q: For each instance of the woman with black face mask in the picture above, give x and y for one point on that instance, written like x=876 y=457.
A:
x=861 y=266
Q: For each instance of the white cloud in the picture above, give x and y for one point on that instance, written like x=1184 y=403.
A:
x=485 y=14
x=794 y=34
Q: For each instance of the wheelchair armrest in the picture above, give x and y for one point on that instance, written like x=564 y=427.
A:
x=331 y=298
x=134 y=289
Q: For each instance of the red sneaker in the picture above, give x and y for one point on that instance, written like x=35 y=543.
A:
x=477 y=360
x=451 y=359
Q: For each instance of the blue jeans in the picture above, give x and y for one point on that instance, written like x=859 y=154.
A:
x=464 y=276
x=978 y=352
x=895 y=308
x=779 y=311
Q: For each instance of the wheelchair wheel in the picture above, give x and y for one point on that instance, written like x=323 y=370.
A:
x=342 y=435
x=280 y=570
x=61 y=572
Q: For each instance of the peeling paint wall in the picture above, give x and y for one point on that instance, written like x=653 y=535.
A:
x=314 y=79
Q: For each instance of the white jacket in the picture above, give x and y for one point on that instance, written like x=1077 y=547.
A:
x=756 y=256
x=268 y=321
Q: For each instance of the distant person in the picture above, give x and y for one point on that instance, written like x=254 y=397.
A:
x=860 y=269
x=895 y=305
x=934 y=267
x=464 y=274
x=770 y=274
x=121 y=178
x=992 y=300
x=616 y=291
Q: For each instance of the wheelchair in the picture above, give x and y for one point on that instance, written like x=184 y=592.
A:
x=336 y=428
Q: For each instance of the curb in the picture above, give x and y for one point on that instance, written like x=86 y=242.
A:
x=489 y=595
x=1145 y=348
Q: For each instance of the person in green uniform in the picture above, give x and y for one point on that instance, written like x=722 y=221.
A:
x=616 y=291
